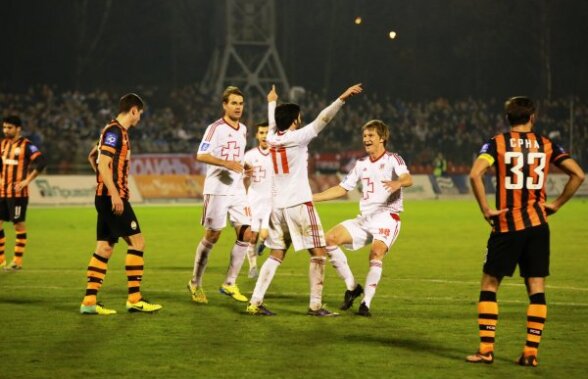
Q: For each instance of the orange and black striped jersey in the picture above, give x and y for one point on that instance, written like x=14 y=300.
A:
x=521 y=162
x=114 y=143
x=17 y=156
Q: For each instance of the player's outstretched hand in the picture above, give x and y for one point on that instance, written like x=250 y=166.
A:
x=272 y=94
x=351 y=91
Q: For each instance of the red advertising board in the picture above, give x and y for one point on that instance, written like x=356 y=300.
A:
x=166 y=164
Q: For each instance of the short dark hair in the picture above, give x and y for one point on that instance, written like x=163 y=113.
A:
x=380 y=127
x=263 y=124
x=518 y=110
x=231 y=90
x=286 y=114
x=129 y=101
x=13 y=120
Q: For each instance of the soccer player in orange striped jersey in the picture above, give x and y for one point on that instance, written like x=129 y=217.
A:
x=116 y=217
x=21 y=163
x=520 y=233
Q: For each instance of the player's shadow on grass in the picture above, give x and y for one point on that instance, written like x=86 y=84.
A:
x=21 y=301
x=420 y=345
x=187 y=269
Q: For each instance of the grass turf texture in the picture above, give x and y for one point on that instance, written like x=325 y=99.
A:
x=424 y=312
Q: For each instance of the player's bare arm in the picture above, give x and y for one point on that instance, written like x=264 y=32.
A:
x=272 y=95
x=405 y=180
x=576 y=177
x=351 y=91
x=229 y=165
x=105 y=170
x=329 y=194
x=24 y=183
x=92 y=155
x=476 y=179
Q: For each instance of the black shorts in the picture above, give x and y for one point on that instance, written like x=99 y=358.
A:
x=528 y=248
x=13 y=209
x=109 y=226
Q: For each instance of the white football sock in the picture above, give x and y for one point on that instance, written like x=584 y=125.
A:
x=200 y=261
x=339 y=263
x=316 y=274
x=238 y=253
x=252 y=255
x=371 y=281
x=266 y=275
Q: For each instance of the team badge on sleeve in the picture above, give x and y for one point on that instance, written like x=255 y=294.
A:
x=560 y=150
x=204 y=146
x=485 y=148
x=110 y=139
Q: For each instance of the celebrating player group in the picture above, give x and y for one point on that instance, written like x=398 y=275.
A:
x=264 y=193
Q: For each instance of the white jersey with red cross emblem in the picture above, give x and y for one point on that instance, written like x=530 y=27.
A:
x=375 y=197
x=222 y=141
x=259 y=192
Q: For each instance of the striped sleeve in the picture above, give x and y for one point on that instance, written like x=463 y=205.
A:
x=207 y=144
x=399 y=165
x=36 y=157
x=110 y=141
x=559 y=154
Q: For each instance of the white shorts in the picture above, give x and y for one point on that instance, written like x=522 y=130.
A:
x=299 y=225
x=216 y=208
x=383 y=226
x=260 y=213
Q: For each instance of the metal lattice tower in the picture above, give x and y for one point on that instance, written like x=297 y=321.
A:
x=248 y=57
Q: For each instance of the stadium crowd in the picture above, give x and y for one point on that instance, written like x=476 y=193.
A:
x=65 y=124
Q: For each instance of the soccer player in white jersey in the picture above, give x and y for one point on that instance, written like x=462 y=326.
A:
x=259 y=194
x=294 y=219
x=382 y=176
x=222 y=149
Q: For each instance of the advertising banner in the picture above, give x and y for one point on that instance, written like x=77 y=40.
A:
x=70 y=190
x=166 y=164
x=170 y=186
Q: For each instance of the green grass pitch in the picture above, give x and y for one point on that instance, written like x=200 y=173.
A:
x=424 y=312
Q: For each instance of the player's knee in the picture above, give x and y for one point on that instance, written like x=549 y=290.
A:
x=378 y=250
x=253 y=237
x=244 y=233
x=137 y=242
x=318 y=252
x=212 y=236
x=20 y=227
x=332 y=239
x=104 y=249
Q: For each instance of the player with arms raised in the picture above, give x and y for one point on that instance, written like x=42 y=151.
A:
x=294 y=219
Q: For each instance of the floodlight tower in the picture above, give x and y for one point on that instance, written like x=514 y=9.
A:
x=247 y=57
